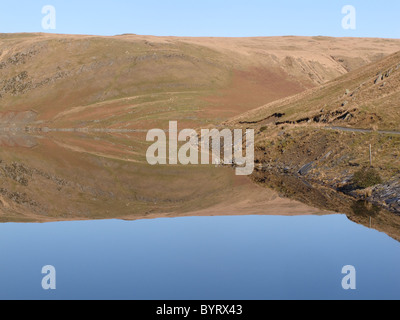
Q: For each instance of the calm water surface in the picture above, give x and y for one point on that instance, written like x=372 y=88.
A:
x=249 y=257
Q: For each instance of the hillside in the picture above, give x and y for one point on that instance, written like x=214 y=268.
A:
x=365 y=98
x=132 y=81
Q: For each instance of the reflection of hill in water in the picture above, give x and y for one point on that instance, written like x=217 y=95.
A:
x=8 y=139
x=12 y=129
x=74 y=176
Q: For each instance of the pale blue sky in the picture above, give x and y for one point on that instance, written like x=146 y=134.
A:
x=205 y=17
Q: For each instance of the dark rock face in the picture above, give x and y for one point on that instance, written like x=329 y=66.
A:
x=385 y=74
x=305 y=169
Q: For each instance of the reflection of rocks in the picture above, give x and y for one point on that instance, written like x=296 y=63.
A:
x=297 y=188
x=365 y=209
x=8 y=139
x=313 y=194
x=17 y=172
x=386 y=196
x=17 y=198
x=389 y=194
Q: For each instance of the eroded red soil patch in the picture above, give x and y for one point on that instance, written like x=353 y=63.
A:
x=250 y=89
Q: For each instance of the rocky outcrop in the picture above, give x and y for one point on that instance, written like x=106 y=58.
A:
x=16 y=85
x=18 y=58
x=22 y=83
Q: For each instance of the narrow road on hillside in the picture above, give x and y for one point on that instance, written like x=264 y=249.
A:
x=362 y=130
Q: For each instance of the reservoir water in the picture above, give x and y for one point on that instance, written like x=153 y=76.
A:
x=114 y=227
x=230 y=257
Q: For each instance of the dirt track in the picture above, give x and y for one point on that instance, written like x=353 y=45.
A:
x=362 y=130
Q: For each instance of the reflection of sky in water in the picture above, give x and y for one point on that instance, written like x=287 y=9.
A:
x=251 y=257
